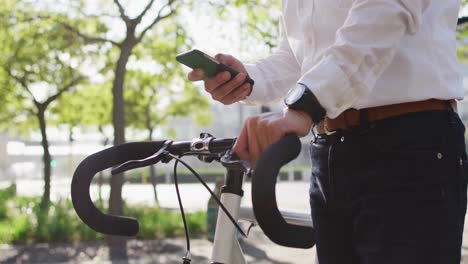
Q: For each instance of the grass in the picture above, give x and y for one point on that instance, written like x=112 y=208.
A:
x=157 y=223
x=21 y=221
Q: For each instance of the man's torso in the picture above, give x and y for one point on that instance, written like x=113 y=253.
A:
x=424 y=67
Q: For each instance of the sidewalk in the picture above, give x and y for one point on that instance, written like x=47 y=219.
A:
x=258 y=249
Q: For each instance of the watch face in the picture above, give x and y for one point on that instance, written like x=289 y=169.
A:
x=294 y=94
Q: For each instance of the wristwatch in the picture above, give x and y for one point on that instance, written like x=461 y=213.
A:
x=301 y=98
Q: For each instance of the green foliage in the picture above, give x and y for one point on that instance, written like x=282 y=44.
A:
x=45 y=48
x=462 y=36
x=157 y=223
x=15 y=230
x=39 y=62
x=60 y=224
x=89 y=106
x=21 y=215
x=5 y=195
x=153 y=94
x=261 y=22
x=18 y=226
x=153 y=98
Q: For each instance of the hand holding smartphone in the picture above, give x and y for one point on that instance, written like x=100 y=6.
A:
x=196 y=59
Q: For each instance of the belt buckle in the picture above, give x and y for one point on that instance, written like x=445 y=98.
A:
x=322 y=128
x=328 y=132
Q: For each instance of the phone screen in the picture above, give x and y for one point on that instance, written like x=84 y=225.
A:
x=196 y=59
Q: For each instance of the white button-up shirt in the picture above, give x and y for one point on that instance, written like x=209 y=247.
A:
x=363 y=53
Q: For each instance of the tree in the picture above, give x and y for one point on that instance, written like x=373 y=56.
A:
x=39 y=64
x=137 y=27
x=146 y=111
x=88 y=107
x=124 y=48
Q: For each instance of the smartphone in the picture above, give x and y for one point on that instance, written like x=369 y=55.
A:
x=197 y=59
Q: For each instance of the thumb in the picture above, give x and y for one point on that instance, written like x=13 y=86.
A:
x=226 y=59
x=196 y=75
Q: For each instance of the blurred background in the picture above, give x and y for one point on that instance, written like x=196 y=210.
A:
x=79 y=76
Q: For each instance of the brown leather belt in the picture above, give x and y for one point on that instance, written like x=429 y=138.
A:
x=351 y=118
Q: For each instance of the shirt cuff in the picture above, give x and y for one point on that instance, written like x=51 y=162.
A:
x=331 y=86
x=259 y=88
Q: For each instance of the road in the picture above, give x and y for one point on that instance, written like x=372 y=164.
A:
x=292 y=196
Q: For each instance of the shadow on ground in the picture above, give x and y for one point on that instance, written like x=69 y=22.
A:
x=258 y=254
x=137 y=251
x=166 y=251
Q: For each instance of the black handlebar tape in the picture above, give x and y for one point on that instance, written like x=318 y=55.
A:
x=264 y=203
x=81 y=199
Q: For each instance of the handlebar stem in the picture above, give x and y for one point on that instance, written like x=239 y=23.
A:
x=201 y=144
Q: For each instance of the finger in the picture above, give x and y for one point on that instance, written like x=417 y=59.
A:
x=264 y=131
x=253 y=141
x=225 y=59
x=214 y=83
x=196 y=75
x=225 y=89
x=237 y=95
x=241 y=147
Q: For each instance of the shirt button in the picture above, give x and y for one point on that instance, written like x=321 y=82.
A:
x=309 y=40
x=339 y=104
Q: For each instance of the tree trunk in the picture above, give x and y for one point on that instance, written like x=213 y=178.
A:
x=100 y=182
x=152 y=169
x=101 y=173
x=118 y=121
x=118 y=245
x=46 y=159
x=153 y=172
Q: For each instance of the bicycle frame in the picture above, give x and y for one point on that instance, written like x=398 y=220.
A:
x=226 y=248
x=285 y=229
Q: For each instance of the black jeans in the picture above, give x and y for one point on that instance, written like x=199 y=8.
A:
x=392 y=191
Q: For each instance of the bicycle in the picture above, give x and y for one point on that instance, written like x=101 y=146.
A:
x=284 y=228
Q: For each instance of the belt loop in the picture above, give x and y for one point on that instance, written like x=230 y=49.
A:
x=449 y=105
x=363 y=120
x=451 y=113
x=314 y=135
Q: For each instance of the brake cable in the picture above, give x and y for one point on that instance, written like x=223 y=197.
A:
x=178 y=159
x=181 y=207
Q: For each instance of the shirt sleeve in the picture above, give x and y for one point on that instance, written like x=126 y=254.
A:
x=274 y=75
x=364 y=46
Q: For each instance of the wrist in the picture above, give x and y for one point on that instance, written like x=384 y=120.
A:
x=303 y=115
x=301 y=98
x=299 y=121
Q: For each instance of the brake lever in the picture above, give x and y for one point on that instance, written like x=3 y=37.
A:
x=161 y=155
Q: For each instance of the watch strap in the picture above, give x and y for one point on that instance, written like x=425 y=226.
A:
x=310 y=104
